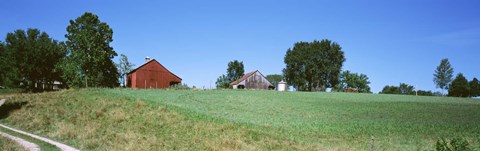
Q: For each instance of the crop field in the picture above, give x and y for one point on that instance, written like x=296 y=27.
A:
x=125 y=119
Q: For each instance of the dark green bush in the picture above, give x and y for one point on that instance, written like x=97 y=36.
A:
x=455 y=144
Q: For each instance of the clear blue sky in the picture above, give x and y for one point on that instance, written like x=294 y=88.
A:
x=390 y=41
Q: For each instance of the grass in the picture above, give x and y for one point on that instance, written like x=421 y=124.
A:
x=124 y=119
x=7 y=144
x=41 y=144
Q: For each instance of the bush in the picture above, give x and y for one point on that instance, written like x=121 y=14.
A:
x=455 y=144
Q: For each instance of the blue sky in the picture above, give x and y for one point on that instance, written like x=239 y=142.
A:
x=390 y=41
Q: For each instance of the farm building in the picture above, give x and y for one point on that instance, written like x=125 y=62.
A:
x=151 y=75
x=252 y=80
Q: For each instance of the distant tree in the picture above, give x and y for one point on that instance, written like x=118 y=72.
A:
x=235 y=70
x=34 y=56
x=222 y=82
x=124 y=67
x=89 y=61
x=353 y=80
x=313 y=65
x=443 y=75
x=474 y=87
x=8 y=74
x=406 y=89
x=274 y=78
x=390 y=90
x=459 y=87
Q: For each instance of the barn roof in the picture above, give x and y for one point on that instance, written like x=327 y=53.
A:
x=245 y=77
x=156 y=62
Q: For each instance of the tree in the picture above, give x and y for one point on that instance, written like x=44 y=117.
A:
x=353 y=80
x=7 y=68
x=89 y=61
x=406 y=89
x=459 y=87
x=34 y=56
x=235 y=70
x=443 y=75
x=124 y=67
x=474 y=87
x=313 y=65
x=274 y=78
x=223 y=82
x=390 y=90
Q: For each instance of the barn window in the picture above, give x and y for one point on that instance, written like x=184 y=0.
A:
x=241 y=86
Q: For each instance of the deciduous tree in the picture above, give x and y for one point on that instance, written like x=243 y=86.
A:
x=443 y=75
x=89 y=61
x=313 y=65
x=274 y=78
x=34 y=56
x=235 y=70
x=353 y=80
x=124 y=67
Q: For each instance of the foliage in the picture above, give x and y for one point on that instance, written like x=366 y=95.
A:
x=405 y=89
x=455 y=144
x=459 y=87
x=33 y=56
x=474 y=87
x=89 y=61
x=222 y=82
x=7 y=68
x=274 y=79
x=443 y=75
x=235 y=70
x=353 y=80
x=124 y=67
x=312 y=66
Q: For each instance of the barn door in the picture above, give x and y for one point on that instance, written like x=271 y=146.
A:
x=153 y=84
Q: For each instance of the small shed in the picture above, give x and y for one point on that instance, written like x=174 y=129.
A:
x=151 y=75
x=252 y=80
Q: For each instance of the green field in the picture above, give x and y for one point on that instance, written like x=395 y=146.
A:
x=123 y=119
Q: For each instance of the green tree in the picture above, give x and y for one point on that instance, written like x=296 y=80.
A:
x=443 y=75
x=8 y=70
x=474 y=87
x=235 y=70
x=222 y=82
x=89 y=61
x=312 y=66
x=459 y=87
x=390 y=90
x=34 y=56
x=124 y=67
x=353 y=80
x=274 y=78
x=406 y=89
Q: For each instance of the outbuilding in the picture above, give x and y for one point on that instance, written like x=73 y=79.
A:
x=252 y=80
x=151 y=75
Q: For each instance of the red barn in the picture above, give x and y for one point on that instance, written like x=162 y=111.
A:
x=151 y=75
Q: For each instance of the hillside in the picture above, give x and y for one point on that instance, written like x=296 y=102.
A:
x=123 y=119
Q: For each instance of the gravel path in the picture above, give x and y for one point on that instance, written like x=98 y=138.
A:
x=26 y=144
x=59 y=145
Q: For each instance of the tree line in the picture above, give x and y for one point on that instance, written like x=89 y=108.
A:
x=34 y=61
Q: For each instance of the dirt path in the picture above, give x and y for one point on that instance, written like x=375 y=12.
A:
x=25 y=144
x=59 y=145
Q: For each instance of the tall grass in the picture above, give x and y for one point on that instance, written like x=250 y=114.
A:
x=124 y=119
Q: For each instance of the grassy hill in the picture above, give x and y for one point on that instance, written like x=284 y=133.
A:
x=123 y=119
